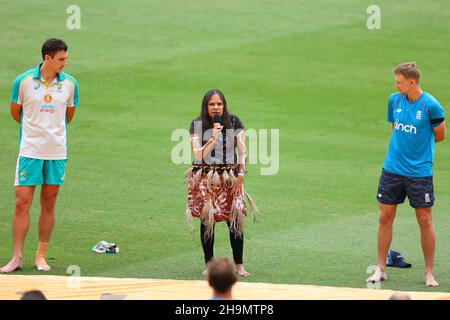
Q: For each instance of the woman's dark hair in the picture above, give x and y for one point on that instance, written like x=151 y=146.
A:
x=52 y=46
x=206 y=120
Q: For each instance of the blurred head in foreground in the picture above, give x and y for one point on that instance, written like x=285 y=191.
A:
x=33 y=295
x=222 y=275
x=400 y=296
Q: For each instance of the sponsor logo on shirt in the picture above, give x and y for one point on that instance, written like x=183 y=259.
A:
x=409 y=128
x=59 y=87
x=419 y=115
x=37 y=86
x=398 y=110
x=48 y=108
x=48 y=98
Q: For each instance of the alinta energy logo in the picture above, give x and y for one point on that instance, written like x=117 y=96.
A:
x=408 y=128
x=47 y=107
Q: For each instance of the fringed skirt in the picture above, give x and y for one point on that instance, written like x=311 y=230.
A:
x=211 y=198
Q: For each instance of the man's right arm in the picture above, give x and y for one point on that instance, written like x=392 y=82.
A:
x=16 y=110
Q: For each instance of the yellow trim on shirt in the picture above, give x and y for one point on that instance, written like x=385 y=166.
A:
x=46 y=83
x=21 y=84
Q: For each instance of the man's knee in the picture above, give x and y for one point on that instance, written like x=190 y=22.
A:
x=24 y=198
x=425 y=222
x=424 y=218
x=48 y=198
x=48 y=205
x=387 y=214
x=385 y=219
x=23 y=204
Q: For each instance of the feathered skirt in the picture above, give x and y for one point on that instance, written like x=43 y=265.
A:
x=211 y=198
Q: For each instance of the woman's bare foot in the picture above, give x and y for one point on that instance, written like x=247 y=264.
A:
x=41 y=264
x=241 y=271
x=13 y=265
x=430 y=281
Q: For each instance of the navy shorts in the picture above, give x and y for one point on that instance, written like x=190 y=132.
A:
x=393 y=189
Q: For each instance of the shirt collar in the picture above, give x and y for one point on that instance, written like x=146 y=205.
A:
x=37 y=74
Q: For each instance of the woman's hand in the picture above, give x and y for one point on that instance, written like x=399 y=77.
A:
x=237 y=189
x=216 y=131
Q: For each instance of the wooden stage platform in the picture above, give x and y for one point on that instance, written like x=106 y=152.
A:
x=93 y=288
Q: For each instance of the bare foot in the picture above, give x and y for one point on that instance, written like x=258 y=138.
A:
x=430 y=281
x=241 y=271
x=13 y=265
x=378 y=275
x=41 y=264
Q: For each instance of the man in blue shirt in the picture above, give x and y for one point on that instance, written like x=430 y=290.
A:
x=417 y=122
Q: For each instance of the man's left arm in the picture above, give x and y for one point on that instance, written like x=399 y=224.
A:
x=439 y=132
x=70 y=111
x=72 y=103
x=437 y=119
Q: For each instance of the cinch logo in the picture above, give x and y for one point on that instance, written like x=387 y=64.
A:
x=405 y=128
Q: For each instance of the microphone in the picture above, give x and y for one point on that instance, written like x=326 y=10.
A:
x=217 y=118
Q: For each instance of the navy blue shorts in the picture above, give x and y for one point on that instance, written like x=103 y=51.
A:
x=393 y=189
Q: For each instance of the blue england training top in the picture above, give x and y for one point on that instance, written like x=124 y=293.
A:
x=411 y=150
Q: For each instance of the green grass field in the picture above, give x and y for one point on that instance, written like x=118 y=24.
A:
x=310 y=69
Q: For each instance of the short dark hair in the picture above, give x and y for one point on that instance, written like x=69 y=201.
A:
x=52 y=46
x=222 y=274
x=33 y=295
